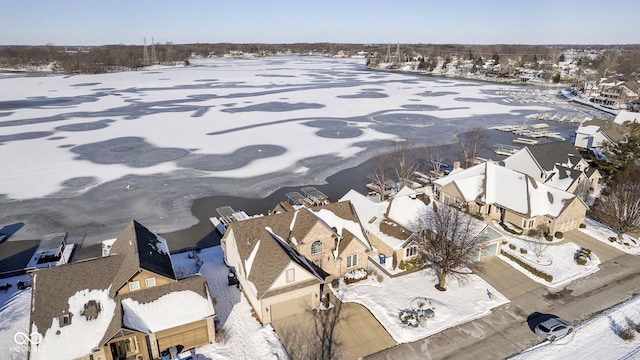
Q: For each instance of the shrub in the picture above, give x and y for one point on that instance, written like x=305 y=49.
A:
x=531 y=269
x=627 y=333
x=613 y=239
x=504 y=242
x=523 y=251
x=380 y=278
x=581 y=260
x=626 y=244
x=335 y=283
x=512 y=247
x=559 y=234
x=549 y=238
x=582 y=226
x=401 y=265
x=415 y=263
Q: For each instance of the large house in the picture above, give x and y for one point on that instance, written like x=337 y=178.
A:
x=558 y=164
x=127 y=305
x=389 y=226
x=498 y=193
x=281 y=260
x=594 y=134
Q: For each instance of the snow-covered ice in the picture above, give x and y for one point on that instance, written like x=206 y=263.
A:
x=118 y=140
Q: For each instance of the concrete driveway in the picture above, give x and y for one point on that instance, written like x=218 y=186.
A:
x=357 y=332
x=604 y=251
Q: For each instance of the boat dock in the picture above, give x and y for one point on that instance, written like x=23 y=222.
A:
x=505 y=150
x=227 y=216
x=525 y=141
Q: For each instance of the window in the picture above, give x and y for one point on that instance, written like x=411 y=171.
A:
x=531 y=222
x=352 y=260
x=150 y=282
x=291 y=275
x=446 y=199
x=411 y=251
x=316 y=247
x=134 y=285
x=66 y=320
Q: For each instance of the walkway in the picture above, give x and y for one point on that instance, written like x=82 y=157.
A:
x=358 y=332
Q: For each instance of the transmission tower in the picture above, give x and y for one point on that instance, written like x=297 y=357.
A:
x=154 y=59
x=145 y=56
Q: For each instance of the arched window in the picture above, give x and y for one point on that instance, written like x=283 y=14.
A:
x=316 y=247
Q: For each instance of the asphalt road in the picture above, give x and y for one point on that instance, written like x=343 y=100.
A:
x=506 y=332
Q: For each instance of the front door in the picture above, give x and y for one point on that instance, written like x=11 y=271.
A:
x=125 y=349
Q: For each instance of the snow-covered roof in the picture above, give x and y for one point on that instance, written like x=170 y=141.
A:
x=168 y=311
x=624 y=116
x=372 y=215
x=509 y=189
x=81 y=335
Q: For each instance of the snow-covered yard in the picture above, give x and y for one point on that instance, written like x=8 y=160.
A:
x=555 y=260
x=603 y=233
x=386 y=299
x=595 y=339
x=240 y=336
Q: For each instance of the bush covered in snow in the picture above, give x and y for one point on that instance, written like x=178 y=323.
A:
x=355 y=275
x=528 y=267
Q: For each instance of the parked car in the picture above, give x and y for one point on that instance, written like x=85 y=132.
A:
x=554 y=328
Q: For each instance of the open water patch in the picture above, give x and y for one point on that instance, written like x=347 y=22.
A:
x=275 y=106
x=364 y=95
x=130 y=151
x=420 y=107
x=436 y=93
x=89 y=126
x=86 y=84
x=405 y=118
x=25 y=136
x=57 y=138
x=340 y=133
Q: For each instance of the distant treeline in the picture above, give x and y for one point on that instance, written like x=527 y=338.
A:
x=110 y=58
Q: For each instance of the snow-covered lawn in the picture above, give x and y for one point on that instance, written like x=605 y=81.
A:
x=595 y=339
x=14 y=318
x=244 y=337
x=459 y=304
x=556 y=260
x=602 y=232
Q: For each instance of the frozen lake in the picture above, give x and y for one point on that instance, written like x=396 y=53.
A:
x=86 y=153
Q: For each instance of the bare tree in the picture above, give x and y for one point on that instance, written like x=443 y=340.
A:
x=436 y=155
x=380 y=174
x=540 y=244
x=406 y=164
x=619 y=203
x=472 y=142
x=448 y=238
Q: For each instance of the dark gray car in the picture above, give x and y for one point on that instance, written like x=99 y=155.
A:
x=554 y=328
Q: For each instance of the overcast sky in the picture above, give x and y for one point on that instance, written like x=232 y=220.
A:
x=99 y=22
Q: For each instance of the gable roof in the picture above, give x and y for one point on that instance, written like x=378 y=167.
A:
x=509 y=189
x=612 y=130
x=68 y=289
x=264 y=255
x=556 y=152
x=141 y=249
x=266 y=244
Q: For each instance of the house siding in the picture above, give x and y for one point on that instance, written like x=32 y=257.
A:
x=141 y=277
x=570 y=218
x=309 y=297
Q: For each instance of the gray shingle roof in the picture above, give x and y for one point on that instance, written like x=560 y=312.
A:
x=142 y=249
x=556 y=152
